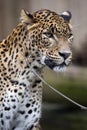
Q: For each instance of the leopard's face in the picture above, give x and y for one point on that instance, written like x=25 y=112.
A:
x=55 y=51
x=51 y=37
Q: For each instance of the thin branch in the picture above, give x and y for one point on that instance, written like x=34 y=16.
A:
x=58 y=92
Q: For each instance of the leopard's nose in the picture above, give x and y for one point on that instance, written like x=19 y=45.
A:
x=65 y=55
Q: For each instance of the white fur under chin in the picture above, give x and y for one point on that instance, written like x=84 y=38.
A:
x=59 y=69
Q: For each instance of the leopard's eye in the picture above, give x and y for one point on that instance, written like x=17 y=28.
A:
x=70 y=37
x=48 y=34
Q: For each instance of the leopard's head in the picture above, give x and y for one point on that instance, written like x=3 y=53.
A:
x=50 y=36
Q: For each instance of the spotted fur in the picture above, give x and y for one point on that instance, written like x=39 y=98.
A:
x=40 y=39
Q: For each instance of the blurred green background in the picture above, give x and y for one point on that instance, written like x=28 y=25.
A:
x=57 y=112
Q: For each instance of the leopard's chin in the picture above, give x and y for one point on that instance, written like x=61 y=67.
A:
x=59 y=68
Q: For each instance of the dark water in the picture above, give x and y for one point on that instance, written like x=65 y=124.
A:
x=56 y=117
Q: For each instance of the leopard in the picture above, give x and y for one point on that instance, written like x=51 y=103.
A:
x=40 y=39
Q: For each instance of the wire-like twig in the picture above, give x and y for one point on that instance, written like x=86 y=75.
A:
x=58 y=92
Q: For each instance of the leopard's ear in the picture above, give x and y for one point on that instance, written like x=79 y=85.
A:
x=66 y=15
x=26 y=17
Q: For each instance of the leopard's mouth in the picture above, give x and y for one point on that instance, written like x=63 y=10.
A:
x=54 y=66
